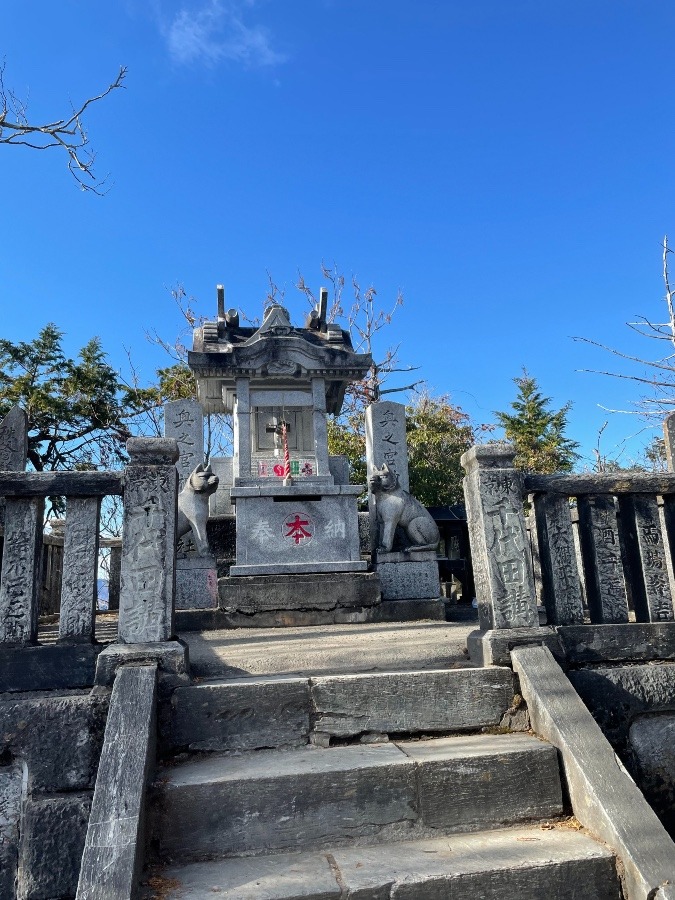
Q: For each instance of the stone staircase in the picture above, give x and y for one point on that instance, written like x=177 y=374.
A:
x=367 y=786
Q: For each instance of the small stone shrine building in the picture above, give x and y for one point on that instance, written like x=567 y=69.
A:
x=279 y=382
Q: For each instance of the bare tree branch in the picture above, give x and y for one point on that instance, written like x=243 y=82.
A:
x=68 y=132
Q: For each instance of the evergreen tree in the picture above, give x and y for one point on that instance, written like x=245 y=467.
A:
x=538 y=432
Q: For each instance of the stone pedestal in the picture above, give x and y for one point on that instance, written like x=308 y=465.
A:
x=196 y=583
x=411 y=575
x=298 y=529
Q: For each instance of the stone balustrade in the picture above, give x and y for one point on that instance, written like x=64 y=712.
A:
x=146 y=561
x=625 y=532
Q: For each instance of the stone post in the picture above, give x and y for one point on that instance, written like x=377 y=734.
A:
x=184 y=422
x=242 y=429
x=80 y=570
x=13 y=446
x=319 y=426
x=20 y=578
x=669 y=438
x=114 y=577
x=385 y=439
x=385 y=443
x=499 y=546
x=148 y=576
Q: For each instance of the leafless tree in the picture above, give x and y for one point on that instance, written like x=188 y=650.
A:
x=67 y=133
x=364 y=320
x=657 y=374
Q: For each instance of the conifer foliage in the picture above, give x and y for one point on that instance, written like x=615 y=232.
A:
x=537 y=431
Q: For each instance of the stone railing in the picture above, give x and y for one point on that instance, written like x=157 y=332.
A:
x=616 y=570
x=148 y=486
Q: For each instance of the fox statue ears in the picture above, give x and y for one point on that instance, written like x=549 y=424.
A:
x=203 y=468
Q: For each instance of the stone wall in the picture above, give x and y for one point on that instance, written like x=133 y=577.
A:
x=50 y=745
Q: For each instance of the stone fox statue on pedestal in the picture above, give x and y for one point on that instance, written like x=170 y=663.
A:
x=396 y=507
x=193 y=506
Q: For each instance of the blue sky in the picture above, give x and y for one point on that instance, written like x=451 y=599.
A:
x=508 y=166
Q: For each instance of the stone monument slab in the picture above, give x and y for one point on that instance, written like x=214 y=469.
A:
x=409 y=575
x=196 y=583
x=386 y=440
x=80 y=569
x=183 y=421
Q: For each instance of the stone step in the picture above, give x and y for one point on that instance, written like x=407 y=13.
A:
x=328 y=650
x=282 y=711
x=270 y=800
x=518 y=863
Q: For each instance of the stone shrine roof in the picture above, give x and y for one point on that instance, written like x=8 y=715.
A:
x=274 y=355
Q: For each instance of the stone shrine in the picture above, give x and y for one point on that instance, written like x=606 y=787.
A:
x=279 y=382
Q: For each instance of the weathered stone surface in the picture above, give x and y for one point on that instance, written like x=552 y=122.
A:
x=398 y=647
x=647 y=558
x=30 y=726
x=603 y=796
x=183 y=421
x=20 y=576
x=52 y=839
x=386 y=440
x=452 y=700
x=48 y=668
x=11 y=795
x=493 y=648
x=14 y=440
x=149 y=549
x=561 y=585
x=264 y=593
x=651 y=743
x=243 y=714
x=80 y=569
x=114 y=578
x=409 y=579
x=171 y=657
x=529 y=864
x=113 y=852
x=220 y=503
x=294 y=532
x=474 y=781
x=526 y=863
x=196 y=583
x=616 y=696
x=408 y=611
x=493 y=492
x=601 y=553
x=339 y=469
x=633 y=642
x=231 y=805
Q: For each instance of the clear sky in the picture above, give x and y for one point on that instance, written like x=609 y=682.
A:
x=509 y=166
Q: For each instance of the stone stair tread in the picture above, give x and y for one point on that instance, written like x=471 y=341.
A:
x=217 y=768
x=329 y=649
x=521 y=863
x=274 y=800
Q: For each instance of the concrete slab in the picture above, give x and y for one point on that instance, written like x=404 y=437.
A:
x=323 y=650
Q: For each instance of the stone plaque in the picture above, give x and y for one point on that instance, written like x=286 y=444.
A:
x=601 y=550
x=196 y=583
x=560 y=574
x=409 y=576
x=184 y=422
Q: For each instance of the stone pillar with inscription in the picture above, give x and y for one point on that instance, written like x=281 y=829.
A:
x=147 y=578
x=184 y=422
x=13 y=446
x=385 y=443
x=499 y=544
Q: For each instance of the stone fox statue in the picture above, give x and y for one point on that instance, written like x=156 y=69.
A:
x=396 y=507
x=193 y=506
